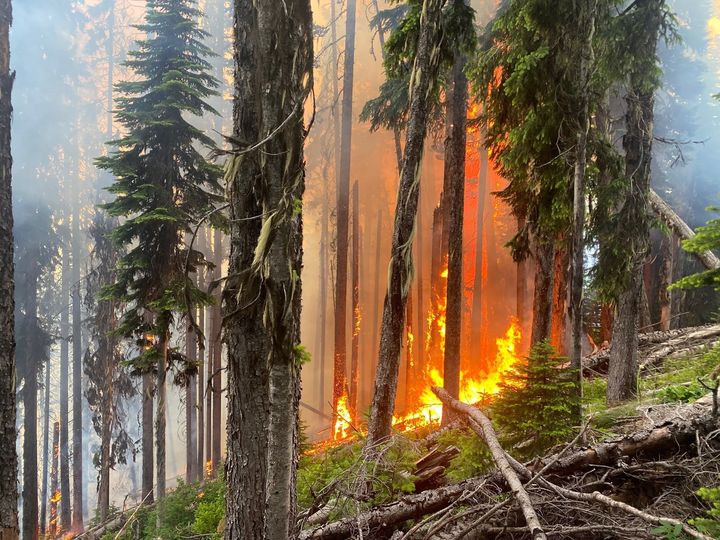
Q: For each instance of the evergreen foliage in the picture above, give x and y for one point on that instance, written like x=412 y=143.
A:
x=536 y=406
x=706 y=239
x=163 y=183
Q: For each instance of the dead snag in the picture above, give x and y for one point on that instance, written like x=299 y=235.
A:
x=487 y=433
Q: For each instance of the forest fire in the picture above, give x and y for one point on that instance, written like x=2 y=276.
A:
x=343 y=420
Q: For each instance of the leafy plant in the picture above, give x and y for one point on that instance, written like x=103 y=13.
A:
x=682 y=393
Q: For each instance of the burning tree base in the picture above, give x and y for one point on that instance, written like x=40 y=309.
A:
x=627 y=488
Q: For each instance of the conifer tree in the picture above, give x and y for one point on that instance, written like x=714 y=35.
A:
x=163 y=185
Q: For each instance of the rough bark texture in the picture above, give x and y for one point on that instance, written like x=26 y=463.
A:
x=665 y=278
x=637 y=142
x=544 y=283
x=160 y=418
x=455 y=174
x=559 y=316
x=148 y=466
x=8 y=457
x=65 y=509
x=273 y=65
x=377 y=299
x=423 y=74
x=343 y=210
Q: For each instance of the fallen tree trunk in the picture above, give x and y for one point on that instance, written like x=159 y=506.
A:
x=487 y=433
x=113 y=524
x=657 y=346
x=675 y=223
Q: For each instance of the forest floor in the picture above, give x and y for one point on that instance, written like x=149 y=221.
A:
x=659 y=454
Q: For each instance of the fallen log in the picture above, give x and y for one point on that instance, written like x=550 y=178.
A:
x=676 y=224
x=487 y=432
x=115 y=523
x=430 y=469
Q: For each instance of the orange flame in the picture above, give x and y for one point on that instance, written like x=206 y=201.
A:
x=343 y=419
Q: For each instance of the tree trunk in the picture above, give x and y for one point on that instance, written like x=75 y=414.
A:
x=65 y=508
x=322 y=325
x=423 y=75
x=148 y=467
x=106 y=441
x=476 y=330
x=45 y=451
x=29 y=397
x=54 y=483
x=343 y=211
x=558 y=326
x=455 y=178
x=273 y=63
x=544 y=285
x=577 y=269
x=208 y=466
x=377 y=300
x=666 y=278
x=191 y=411
x=356 y=318
x=637 y=142
x=160 y=418
x=8 y=456
x=200 y=474
x=216 y=341
x=77 y=401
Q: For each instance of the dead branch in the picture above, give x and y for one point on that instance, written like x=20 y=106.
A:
x=487 y=432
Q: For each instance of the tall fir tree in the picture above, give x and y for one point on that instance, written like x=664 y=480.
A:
x=163 y=185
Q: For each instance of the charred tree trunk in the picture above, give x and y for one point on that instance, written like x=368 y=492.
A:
x=148 y=466
x=45 y=452
x=355 y=352
x=216 y=341
x=544 y=285
x=637 y=142
x=559 y=298
x=29 y=397
x=8 y=456
x=54 y=482
x=77 y=402
x=455 y=147
x=273 y=65
x=343 y=211
x=423 y=75
x=65 y=508
x=208 y=466
x=521 y=284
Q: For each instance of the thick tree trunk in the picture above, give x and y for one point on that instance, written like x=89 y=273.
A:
x=29 y=397
x=455 y=147
x=65 y=508
x=423 y=75
x=559 y=317
x=54 y=482
x=273 y=65
x=216 y=342
x=343 y=211
x=45 y=452
x=544 y=284
x=8 y=456
x=106 y=441
x=355 y=350
x=148 y=466
x=637 y=142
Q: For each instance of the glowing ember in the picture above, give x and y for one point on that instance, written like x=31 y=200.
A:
x=342 y=419
x=208 y=468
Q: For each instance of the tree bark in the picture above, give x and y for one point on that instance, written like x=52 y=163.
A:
x=558 y=326
x=377 y=300
x=202 y=247
x=54 y=482
x=423 y=74
x=455 y=147
x=65 y=507
x=544 y=284
x=666 y=278
x=148 y=467
x=356 y=319
x=191 y=410
x=343 y=210
x=8 y=456
x=216 y=343
x=273 y=65
x=477 y=305
x=637 y=142
x=322 y=325
x=160 y=418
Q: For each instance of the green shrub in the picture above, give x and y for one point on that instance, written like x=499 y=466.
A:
x=474 y=458
x=710 y=523
x=537 y=406
x=683 y=393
